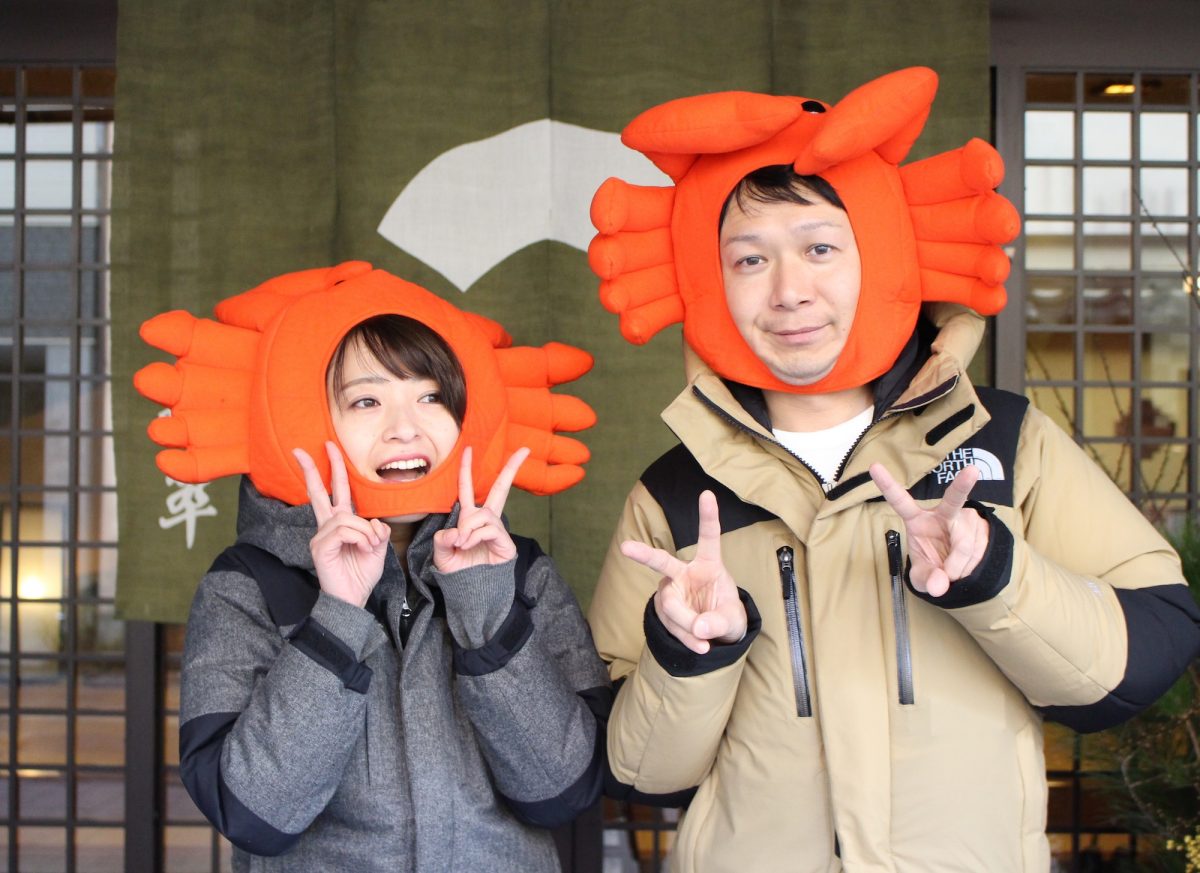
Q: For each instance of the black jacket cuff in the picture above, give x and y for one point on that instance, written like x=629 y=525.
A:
x=678 y=660
x=988 y=578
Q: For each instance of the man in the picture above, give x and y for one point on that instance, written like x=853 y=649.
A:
x=842 y=606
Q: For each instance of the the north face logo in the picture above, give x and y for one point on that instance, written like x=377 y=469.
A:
x=990 y=468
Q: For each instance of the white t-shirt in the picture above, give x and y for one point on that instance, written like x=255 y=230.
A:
x=824 y=450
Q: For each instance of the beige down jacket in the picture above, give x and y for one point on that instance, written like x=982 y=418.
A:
x=861 y=726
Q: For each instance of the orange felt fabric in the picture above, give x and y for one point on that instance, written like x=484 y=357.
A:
x=249 y=387
x=708 y=143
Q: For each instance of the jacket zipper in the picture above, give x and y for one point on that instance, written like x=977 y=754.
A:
x=787 y=575
x=406 y=614
x=900 y=616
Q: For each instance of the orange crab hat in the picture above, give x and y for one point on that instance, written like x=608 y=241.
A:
x=249 y=387
x=927 y=231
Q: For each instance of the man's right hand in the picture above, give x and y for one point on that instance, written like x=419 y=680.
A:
x=697 y=601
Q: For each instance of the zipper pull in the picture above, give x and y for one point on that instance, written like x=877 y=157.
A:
x=405 y=620
x=895 y=559
x=787 y=572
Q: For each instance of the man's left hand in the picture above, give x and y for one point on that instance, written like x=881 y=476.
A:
x=945 y=543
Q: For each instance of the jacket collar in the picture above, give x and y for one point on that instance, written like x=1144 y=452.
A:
x=725 y=425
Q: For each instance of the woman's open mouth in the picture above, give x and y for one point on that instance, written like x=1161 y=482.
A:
x=407 y=470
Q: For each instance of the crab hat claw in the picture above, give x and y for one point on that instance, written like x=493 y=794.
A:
x=247 y=388
x=928 y=231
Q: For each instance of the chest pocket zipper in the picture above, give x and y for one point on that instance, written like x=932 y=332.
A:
x=904 y=671
x=787 y=575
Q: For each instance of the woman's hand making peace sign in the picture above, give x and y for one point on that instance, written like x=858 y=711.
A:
x=480 y=537
x=347 y=550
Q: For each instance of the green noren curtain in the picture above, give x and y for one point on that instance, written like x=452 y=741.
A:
x=256 y=138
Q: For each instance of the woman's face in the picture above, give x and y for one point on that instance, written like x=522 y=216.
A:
x=391 y=429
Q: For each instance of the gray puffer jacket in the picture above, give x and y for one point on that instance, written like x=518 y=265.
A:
x=442 y=728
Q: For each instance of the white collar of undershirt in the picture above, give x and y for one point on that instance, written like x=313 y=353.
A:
x=824 y=450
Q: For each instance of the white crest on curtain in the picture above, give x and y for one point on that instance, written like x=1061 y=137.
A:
x=475 y=205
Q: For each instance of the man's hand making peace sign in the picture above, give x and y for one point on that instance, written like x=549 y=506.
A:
x=945 y=543
x=696 y=601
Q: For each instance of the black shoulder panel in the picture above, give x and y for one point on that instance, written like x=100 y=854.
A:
x=675 y=481
x=290 y=592
x=993 y=449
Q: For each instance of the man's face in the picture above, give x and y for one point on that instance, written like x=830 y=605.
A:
x=792 y=276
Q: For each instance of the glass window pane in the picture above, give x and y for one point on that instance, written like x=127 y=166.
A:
x=98 y=82
x=1056 y=402
x=171 y=750
x=95 y=567
x=1107 y=300
x=98 y=630
x=41 y=848
x=8 y=187
x=1107 y=358
x=1164 y=136
x=49 y=295
x=1164 y=412
x=41 y=739
x=48 y=240
x=41 y=624
x=56 y=138
x=1050 y=190
x=1106 y=190
x=43 y=685
x=1049 y=299
x=180 y=806
x=100 y=740
x=44 y=458
x=96 y=137
x=1051 y=357
x=100 y=797
x=1050 y=88
x=93 y=291
x=4 y=723
x=1107 y=245
x=1104 y=409
x=43 y=794
x=1106 y=136
x=1163 y=467
x=171 y=693
x=1164 y=192
x=96 y=183
x=1108 y=88
x=48 y=82
x=1165 y=90
x=101 y=850
x=1165 y=357
x=100 y=686
x=48 y=184
x=1164 y=246
x=188 y=849
x=1049 y=134
x=1164 y=301
x=1049 y=245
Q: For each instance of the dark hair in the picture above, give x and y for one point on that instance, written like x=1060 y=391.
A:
x=407 y=349
x=779 y=183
